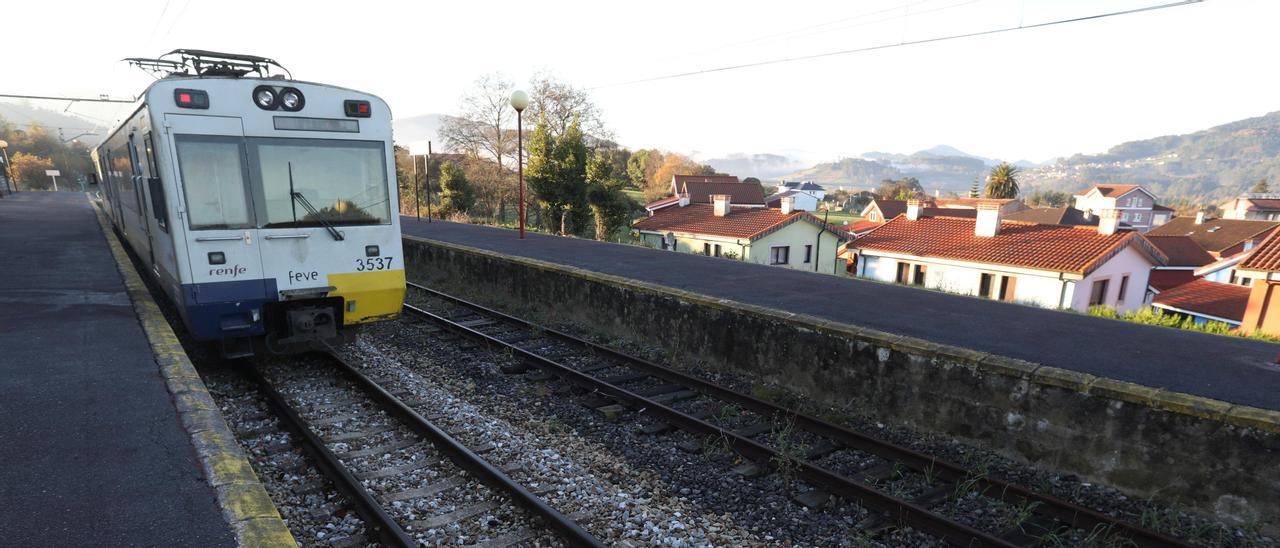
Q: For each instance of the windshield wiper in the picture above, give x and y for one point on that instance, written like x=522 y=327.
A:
x=297 y=197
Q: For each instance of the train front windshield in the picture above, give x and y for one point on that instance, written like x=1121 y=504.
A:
x=292 y=182
x=310 y=182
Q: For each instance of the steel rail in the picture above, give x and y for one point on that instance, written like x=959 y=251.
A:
x=1060 y=510
x=468 y=460
x=950 y=531
x=374 y=516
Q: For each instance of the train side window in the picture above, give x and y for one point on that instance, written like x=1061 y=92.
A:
x=159 y=205
x=213 y=179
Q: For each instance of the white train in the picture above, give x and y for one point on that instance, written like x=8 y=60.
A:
x=266 y=208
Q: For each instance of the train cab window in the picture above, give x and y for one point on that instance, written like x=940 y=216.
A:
x=159 y=205
x=340 y=182
x=212 y=172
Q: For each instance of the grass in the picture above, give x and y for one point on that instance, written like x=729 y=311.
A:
x=637 y=195
x=838 y=217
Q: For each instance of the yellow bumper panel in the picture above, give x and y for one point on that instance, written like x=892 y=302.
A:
x=377 y=295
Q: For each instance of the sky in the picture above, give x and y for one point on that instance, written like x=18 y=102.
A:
x=1031 y=94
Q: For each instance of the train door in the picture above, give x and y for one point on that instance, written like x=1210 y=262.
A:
x=139 y=184
x=114 y=191
x=158 y=214
x=216 y=205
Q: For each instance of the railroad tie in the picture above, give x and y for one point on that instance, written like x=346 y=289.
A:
x=396 y=470
x=348 y=436
x=454 y=516
x=513 y=538
x=430 y=490
x=384 y=448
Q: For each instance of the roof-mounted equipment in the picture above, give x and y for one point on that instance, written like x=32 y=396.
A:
x=201 y=62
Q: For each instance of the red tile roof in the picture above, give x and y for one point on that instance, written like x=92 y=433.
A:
x=894 y=208
x=662 y=202
x=739 y=193
x=741 y=222
x=1203 y=297
x=1256 y=204
x=860 y=226
x=1158 y=207
x=1215 y=235
x=1110 y=191
x=680 y=180
x=1028 y=245
x=1264 y=257
x=1181 y=250
x=1162 y=279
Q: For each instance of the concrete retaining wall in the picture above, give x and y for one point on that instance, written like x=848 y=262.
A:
x=1204 y=453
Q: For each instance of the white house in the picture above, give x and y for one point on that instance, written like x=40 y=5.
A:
x=803 y=201
x=808 y=187
x=783 y=237
x=1051 y=266
x=1137 y=205
x=1253 y=206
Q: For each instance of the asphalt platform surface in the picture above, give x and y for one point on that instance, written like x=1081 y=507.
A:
x=92 y=448
x=1231 y=369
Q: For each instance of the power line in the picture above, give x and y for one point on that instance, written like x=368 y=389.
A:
x=102 y=99
x=902 y=44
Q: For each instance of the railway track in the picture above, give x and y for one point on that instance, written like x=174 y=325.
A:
x=900 y=486
x=373 y=447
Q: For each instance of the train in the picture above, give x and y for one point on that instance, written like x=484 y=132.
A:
x=264 y=208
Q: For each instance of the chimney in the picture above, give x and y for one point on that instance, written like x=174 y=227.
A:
x=788 y=204
x=987 y=224
x=1108 y=221
x=914 y=209
x=720 y=204
x=1200 y=217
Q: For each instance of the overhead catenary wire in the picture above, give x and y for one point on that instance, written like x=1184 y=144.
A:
x=900 y=44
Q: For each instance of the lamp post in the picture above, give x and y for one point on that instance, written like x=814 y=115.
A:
x=520 y=101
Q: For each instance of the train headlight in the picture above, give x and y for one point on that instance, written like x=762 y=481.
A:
x=265 y=97
x=291 y=99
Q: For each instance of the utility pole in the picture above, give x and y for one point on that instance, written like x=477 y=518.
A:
x=426 y=178
x=417 y=210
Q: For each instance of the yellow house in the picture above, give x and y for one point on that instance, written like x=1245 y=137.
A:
x=773 y=236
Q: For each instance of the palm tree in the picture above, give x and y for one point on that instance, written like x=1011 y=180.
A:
x=1003 y=181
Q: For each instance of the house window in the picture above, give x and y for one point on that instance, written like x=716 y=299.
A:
x=984 y=285
x=706 y=249
x=1099 y=294
x=779 y=254
x=1008 y=284
x=717 y=250
x=808 y=254
x=1124 y=286
x=873 y=216
x=904 y=271
x=921 y=271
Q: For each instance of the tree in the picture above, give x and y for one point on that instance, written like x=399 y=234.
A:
x=610 y=207
x=751 y=180
x=560 y=105
x=975 y=191
x=707 y=169
x=1261 y=187
x=641 y=166
x=1049 y=198
x=557 y=174
x=1002 y=182
x=482 y=126
x=28 y=171
x=456 y=194
x=672 y=164
x=894 y=190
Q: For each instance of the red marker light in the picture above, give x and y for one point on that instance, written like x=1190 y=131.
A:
x=364 y=108
x=184 y=98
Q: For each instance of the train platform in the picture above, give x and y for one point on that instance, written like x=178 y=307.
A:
x=1235 y=370
x=97 y=448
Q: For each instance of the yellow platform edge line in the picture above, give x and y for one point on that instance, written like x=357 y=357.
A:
x=248 y=509
x=1173 y=402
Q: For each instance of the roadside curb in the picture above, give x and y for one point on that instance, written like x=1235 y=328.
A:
x=245 y=504
x=1034 y=373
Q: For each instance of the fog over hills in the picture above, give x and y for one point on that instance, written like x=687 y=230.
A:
x=69 y=126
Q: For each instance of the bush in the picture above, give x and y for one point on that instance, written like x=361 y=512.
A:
x=1153 y=316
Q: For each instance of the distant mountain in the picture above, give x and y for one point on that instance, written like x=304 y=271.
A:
x=415 y=131
x=938 y=168
x=848 y=172
x=1204 y=167
x=761 y=166
x=68 y=126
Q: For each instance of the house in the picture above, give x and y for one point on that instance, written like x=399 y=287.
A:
x=782 y=237
x=883 y=211
x=808 y=187
x=1227 y=270
x=803 y=200
x=1007 y=205
x=1184 y=255
x=1135 y=204
x=1262 y=313
x=1051 y=266
x=1252 y=205
x=1220 y=237
x=699 y=189
x=1204 y=301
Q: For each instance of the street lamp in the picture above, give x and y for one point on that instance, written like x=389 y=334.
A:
x=520 y=101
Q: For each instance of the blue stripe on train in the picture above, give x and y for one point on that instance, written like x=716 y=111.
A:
x=219 y=310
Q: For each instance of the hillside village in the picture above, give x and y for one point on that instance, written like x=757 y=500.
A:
x=1114 y=251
